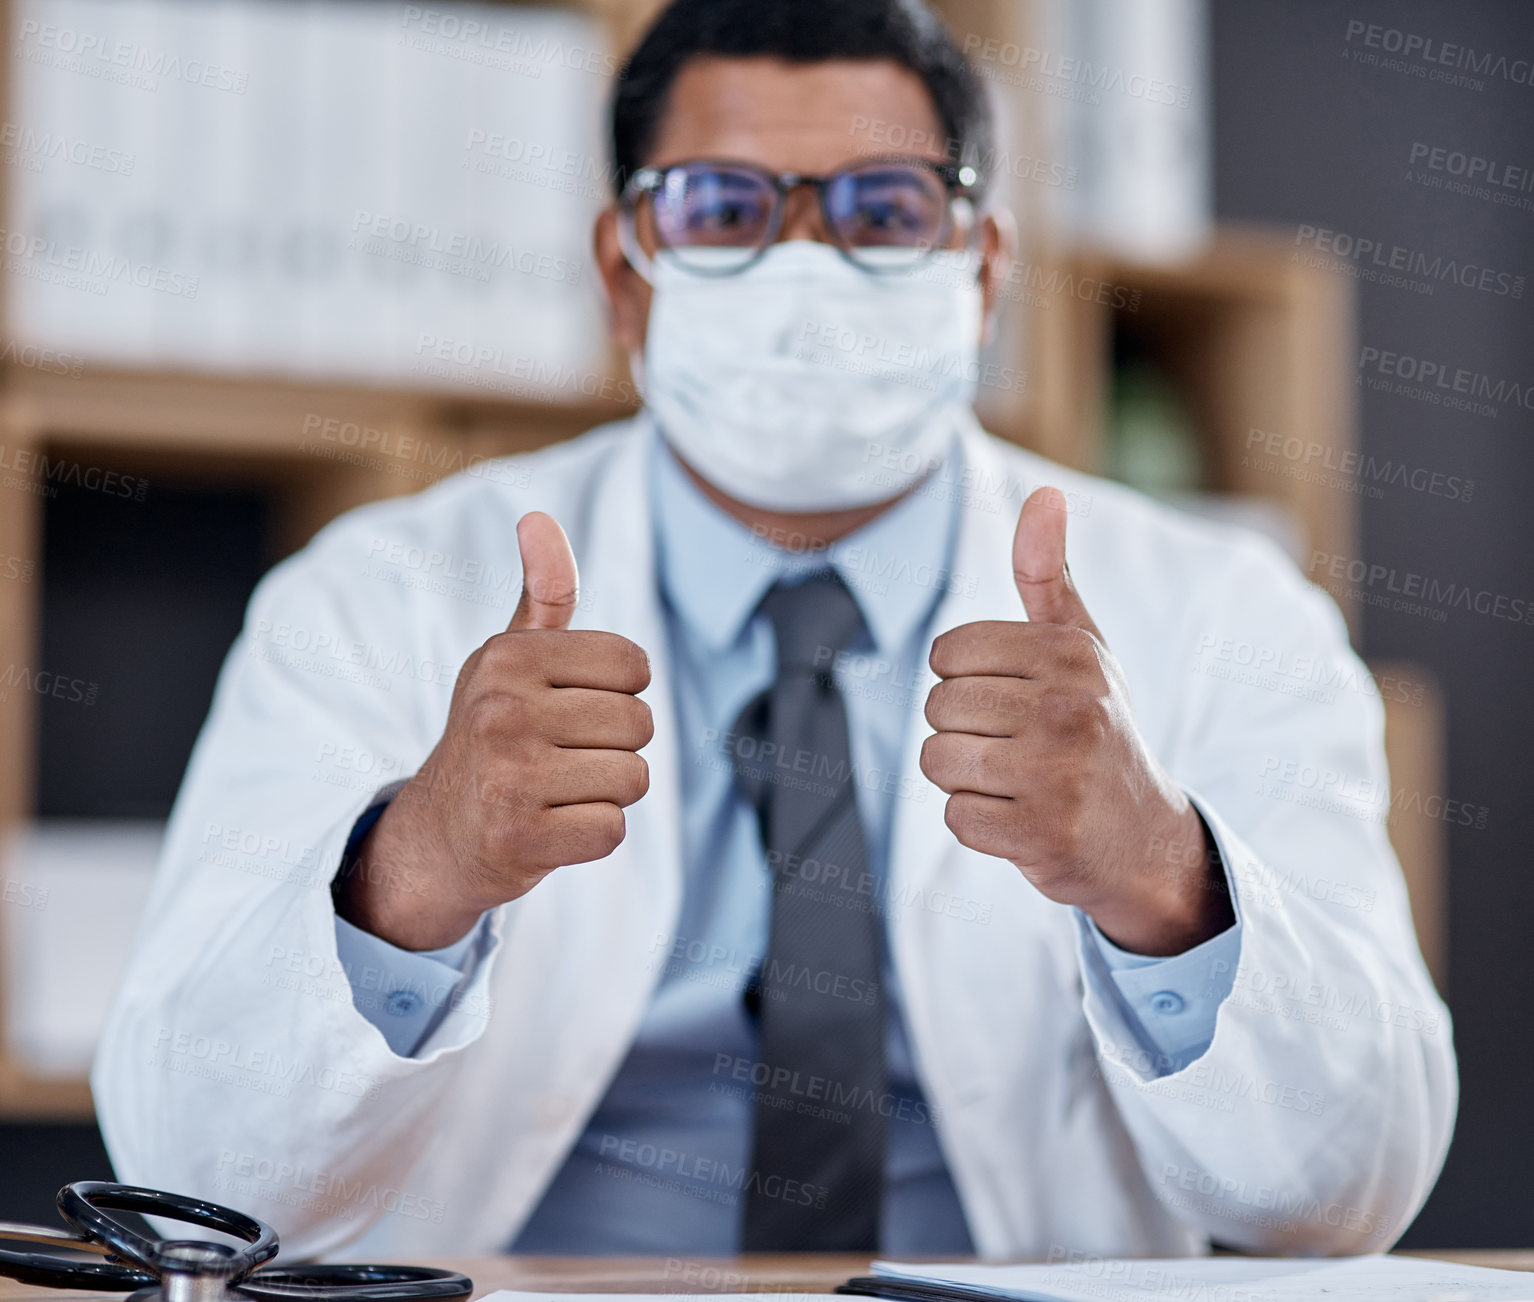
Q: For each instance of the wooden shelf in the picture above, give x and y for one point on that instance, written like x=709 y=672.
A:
x=224 y=415
x=1255 y=343
x=1415 y=746
x=24 y=1097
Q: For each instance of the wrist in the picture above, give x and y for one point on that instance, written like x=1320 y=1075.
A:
x=1174 y=895
x=398 y=883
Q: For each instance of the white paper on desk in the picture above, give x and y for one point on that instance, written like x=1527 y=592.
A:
x=1228 y=1279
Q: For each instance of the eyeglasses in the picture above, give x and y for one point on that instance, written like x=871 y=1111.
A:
x=717 y=218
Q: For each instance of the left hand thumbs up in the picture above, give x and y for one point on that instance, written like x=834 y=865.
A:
x=1037 y=748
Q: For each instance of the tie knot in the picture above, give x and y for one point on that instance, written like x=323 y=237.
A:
x=812 y=620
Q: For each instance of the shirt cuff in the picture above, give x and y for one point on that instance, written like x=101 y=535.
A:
x=404 y=993
x=1172 y=1003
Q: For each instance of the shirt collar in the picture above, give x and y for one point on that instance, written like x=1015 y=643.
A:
x=714 y=570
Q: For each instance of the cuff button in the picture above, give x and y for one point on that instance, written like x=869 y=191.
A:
x=401 y=1003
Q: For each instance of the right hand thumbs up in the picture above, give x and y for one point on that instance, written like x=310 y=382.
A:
x=550 y=583
x=537 y=762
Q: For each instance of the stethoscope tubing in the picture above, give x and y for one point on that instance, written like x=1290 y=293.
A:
x=354 y=1283
x=137 y=1264
x=85 y=1205
x=51 y=1271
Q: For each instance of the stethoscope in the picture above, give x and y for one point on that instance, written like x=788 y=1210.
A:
x=196 y=1270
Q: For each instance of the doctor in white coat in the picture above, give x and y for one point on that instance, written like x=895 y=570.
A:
x=463 y=934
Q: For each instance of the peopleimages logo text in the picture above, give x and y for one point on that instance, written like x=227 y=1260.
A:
x=1362 y=250
x=1452 y=380
x=1443 y=54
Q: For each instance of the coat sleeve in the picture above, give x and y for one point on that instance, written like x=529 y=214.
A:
x=1318 y=1117
x=235 y=1065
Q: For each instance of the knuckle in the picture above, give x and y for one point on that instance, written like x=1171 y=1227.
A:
x=957 y=816
x=929 y=756
x=468 y=671
x=1078 y=647
x=1090 y=720
x=595 y=834
x=496 y=715
x=936 y=707
x=611 y=828
x=484 y=720
x=941 y=655
x=1065 y=712
x=636 y=779
x=635 y=664
x=951 y=649
x=602 y=832
x=491 y=652
x=551 y=845
x=644 y=726
x=507 y=837
x=510 y=650
x=971 y=820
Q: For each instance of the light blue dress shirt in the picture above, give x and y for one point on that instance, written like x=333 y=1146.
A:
x=660 y=1164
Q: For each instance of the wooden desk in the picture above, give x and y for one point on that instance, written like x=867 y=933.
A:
x=785 y=1273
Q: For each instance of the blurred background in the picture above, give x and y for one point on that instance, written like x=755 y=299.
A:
x=264 y=260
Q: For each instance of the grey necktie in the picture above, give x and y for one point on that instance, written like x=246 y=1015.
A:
x=817 y=1171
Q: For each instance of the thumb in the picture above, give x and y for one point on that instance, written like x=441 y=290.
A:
x=1038 y=563
x=550 y=585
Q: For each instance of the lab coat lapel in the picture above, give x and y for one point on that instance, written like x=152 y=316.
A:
x=621 y=595
x=921 y=840
x=957 y=1064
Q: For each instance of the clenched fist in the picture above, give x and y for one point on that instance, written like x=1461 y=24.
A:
x=535 y=766
x=1038 y=750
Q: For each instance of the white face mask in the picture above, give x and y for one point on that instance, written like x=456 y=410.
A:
x=805 y=384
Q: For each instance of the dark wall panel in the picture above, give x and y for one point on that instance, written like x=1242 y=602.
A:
x=143 y=595
x=1322 y=123
x=36 y=1161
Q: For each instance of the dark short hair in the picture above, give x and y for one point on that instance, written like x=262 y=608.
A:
x=905 y=32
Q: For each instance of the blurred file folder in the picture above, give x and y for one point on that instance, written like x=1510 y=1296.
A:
x=1125 y=102
x=384 y=193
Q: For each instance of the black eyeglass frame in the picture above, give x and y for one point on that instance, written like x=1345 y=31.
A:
x=962 y=182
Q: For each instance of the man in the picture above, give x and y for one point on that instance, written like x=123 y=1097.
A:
x=957 y=901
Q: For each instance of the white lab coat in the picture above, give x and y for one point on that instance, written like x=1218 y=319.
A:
x=236 y=1067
